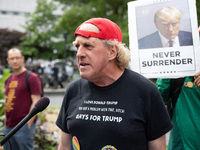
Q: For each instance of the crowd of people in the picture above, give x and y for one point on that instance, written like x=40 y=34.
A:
x=51 y=76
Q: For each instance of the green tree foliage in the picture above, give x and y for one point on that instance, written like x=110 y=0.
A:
x=40 y=30
x=80 y=10
x=3 y=77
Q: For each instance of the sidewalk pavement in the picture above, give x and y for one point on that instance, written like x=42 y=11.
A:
x=53 y=90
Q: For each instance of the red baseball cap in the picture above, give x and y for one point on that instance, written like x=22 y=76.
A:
x=108 y=30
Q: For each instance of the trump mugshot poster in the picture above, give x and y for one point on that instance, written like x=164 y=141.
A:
x=164 y=38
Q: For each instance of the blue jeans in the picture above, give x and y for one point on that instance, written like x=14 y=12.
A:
x=22 y=139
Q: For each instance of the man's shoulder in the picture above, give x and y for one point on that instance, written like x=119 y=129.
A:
x=78 y=83
x=138 y=78
x=149 y=37
x=31 y=74
x=185 y=38
x=186 y=32
x=32 y=77
x=150 y=41
x=185 y=35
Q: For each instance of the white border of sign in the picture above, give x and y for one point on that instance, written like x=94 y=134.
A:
x=163 y=62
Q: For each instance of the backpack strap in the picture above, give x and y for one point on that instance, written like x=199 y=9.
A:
x=28 y=73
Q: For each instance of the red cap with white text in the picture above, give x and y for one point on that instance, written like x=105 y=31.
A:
x=108 y=30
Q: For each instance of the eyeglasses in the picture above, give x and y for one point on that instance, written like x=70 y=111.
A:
x=13 y=58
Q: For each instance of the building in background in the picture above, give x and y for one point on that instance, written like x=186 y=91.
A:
x=12 y=13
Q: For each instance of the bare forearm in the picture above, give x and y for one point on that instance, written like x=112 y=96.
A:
x=65 y=141
x=35 y=99
x=158 y=144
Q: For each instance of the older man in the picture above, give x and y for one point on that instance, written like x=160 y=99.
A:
x=110 y=107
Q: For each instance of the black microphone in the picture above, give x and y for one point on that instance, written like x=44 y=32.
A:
x=39 y=106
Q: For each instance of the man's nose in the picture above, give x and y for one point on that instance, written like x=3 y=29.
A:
x=170 y=27
x=80 y=51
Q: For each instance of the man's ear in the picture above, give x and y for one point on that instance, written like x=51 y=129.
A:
x=113 y=52
x=157 y=25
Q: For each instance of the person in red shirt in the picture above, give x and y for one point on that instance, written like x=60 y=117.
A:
x=20 y=101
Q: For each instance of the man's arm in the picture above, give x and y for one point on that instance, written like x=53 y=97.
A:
x=197 y=79
x=158 y=144
x=65 y=141
x=35 y=99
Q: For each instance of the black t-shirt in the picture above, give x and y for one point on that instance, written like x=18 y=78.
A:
x=124 y=115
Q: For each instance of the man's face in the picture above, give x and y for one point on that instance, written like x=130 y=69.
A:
x=92 y=57
x=168 y=27
x=15 y=59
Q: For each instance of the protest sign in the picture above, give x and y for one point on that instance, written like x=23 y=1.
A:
x=153 y=24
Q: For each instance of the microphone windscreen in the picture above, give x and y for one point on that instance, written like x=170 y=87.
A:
x=42 y=103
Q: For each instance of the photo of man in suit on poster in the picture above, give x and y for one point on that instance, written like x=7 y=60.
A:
x=167 y=21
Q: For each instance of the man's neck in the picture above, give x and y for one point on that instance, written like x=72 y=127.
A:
x=19 y=71
x=165 y=41
x=109 y=78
